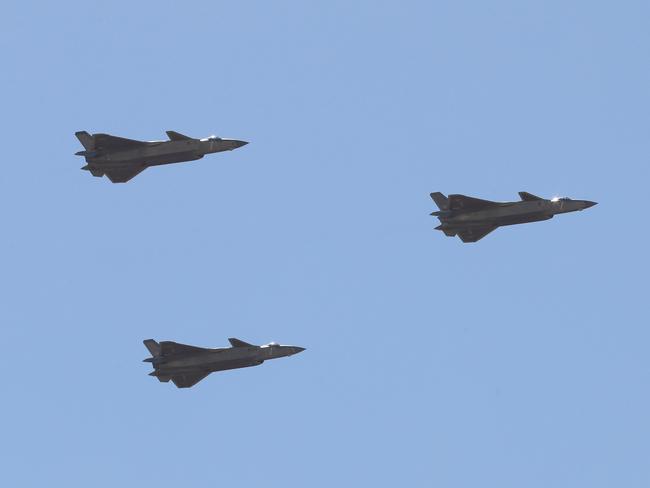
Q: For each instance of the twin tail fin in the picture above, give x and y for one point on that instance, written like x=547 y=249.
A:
x=440 y=200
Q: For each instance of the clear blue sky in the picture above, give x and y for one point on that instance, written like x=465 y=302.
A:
x=520 y=361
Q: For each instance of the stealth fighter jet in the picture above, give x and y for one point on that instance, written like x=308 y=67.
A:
x=121 y=159
x=187 y=365
x=472 y=219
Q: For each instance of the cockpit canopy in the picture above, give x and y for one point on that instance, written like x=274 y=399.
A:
x=212 y=138
x=560 y=199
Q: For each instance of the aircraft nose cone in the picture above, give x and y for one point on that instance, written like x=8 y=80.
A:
x=296 y=349
x=237 y=144
x=588 y=204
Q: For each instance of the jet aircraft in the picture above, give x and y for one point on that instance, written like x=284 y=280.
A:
x=187 y=365
x=472 y=219
x=121 y=159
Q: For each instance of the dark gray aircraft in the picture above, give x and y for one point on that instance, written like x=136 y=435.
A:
x=121 y=159
x=472 y=219
x=187 y=365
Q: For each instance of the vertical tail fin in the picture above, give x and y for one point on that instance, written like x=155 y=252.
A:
x=528 y=197
x=441 y=200
x=86 y=140
x=153 y=346
x=177 y=136
x=238 y=343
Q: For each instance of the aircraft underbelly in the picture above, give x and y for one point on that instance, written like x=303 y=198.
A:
x=208 y=366
x=135 y=158
x=524 y=219
x=496 y=219
x=173 y=158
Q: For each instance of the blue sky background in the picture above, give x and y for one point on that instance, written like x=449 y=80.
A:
x=518 y=361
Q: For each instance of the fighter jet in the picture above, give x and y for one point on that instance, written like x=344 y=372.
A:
x=187 y=365
x=472 y=219
x=121 y=159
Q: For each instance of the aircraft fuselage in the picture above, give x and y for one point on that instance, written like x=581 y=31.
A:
x=121 y=159
x=171 y=360
x=472 y=218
